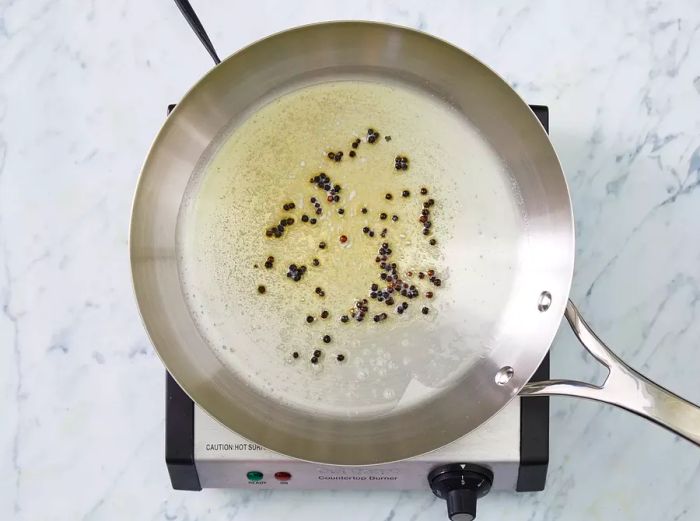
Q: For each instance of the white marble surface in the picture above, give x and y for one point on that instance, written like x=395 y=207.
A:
x=83 y=89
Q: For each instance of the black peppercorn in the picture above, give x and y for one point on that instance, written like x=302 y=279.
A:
x=405 y=193
x=401 y=163
x=364 y=210
x=424 y=191
x=340 y=357
x=326 y=339
x=388 y=197
x=313 y=220
x=382 y=216
x=261 y=289
x=425 y=310
x=341 y=211
x=394 y=218
x=433 y=242
x=315 y=262
x=295 y=354
x=305 y=218
x=309 y=319
x=324 y=314
x=344 y=318
x=314 y=359
x=352 y=153
x=331 y=155
x=317 y=353
x=322 y=245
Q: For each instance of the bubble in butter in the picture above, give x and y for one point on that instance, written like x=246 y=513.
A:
x=266 y=161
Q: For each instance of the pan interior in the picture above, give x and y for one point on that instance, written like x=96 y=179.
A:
x=264 y=160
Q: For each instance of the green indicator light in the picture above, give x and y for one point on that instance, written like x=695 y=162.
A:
x=254 y=475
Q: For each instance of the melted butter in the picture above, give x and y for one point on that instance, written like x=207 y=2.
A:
x=267 y=161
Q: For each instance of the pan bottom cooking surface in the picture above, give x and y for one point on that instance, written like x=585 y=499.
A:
x=306 y=213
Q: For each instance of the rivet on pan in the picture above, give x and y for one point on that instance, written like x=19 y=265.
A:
x=545 y=301
x=504 y=375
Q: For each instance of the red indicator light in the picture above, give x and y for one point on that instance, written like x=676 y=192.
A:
x=283 y=476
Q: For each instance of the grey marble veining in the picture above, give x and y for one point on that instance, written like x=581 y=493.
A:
x=83 y=90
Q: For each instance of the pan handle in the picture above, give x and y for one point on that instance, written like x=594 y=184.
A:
x=623 y=387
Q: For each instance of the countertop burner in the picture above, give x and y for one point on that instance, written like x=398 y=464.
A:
x=509 y=452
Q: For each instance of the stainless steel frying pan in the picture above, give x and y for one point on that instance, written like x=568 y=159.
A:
x=527 y=319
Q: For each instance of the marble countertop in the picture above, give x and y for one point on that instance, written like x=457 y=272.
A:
x=83 y=90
